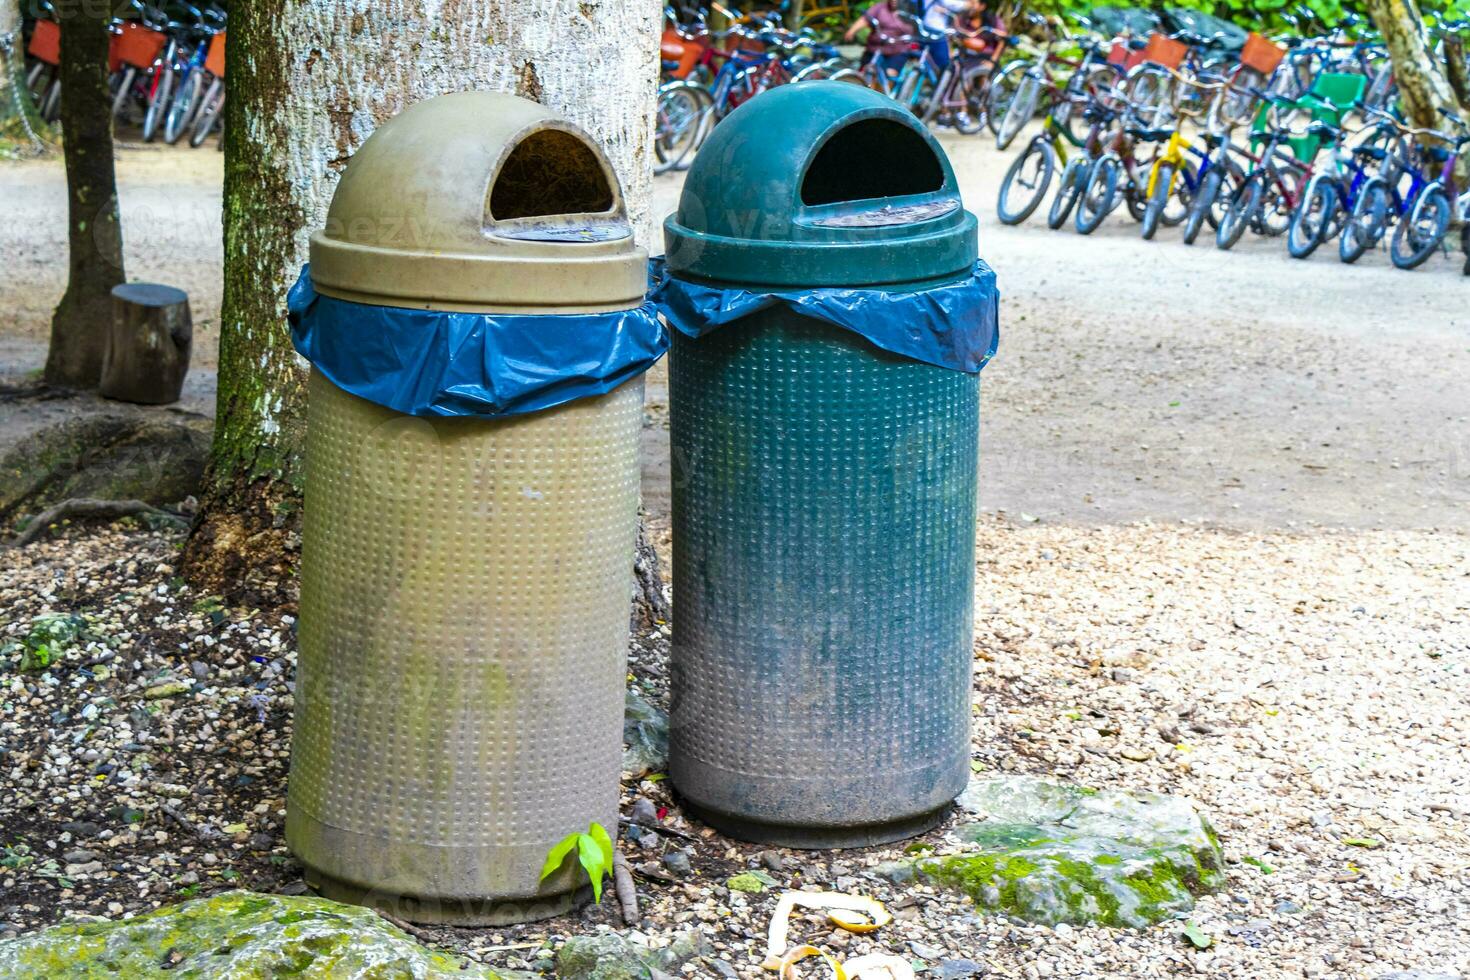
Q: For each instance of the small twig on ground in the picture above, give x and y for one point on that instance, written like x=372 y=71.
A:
x=626 y=891
x=183 y=821
x=659 y=829
x=78 y=507
x=421 y=934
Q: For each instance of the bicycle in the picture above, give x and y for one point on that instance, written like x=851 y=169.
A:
x=961 y=94
x=189 y=85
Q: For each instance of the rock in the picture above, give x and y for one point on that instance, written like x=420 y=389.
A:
x=113 y=457
x=233 y=934
x=645 y=736
x=723 y=969
x=167 y=689
x=924 y=951
x=644 y=813
x=1417 y=975
x=685 y=947
x=772 y=860
x=605 y=957
x=1052 y=852
x=960 y=969
x=677 y=864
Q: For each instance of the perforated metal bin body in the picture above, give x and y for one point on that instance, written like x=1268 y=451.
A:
x=465 y=581
x=824 y=495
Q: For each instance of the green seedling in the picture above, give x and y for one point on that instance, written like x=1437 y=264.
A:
x=594 y=852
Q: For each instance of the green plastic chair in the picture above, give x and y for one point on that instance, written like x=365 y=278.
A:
x=1331 y=95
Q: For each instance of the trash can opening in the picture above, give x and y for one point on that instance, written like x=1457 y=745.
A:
x=551 y=172
x=869 y=159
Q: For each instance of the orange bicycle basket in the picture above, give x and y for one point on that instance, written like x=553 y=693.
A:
x=137 y=45
x=46 y=42
x=1165 y=51
x=686 y=53
x=214 y=62
x=1261 y=54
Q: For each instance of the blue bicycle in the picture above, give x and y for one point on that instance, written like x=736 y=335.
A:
x=1335 y=191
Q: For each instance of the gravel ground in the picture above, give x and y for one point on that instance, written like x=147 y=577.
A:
x=1307 y=691
x=1304 y=682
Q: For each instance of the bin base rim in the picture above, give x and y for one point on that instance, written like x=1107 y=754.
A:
x=810 y=838
x=447 y=911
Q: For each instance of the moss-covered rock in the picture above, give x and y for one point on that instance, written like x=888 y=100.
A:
x=1052 y=852
x=237 y=935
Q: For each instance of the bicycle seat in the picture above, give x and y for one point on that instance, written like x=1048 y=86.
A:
x=1371 y=152
x=1150 y=135
x=1324 y=130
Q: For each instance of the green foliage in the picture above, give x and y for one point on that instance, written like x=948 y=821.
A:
x=594 y=852
x=48 y=638
x=1266 y=16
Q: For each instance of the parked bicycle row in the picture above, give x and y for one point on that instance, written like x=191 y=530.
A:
x=1295 y=149
x=166 y=65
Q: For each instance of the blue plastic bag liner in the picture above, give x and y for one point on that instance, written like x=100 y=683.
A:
x=954 y=325
x=437 y=363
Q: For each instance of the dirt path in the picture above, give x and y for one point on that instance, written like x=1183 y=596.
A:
x=1135 y=380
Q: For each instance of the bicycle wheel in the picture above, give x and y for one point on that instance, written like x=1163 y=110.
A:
x=1074 y=179
x=214 y=103
x=1149 y=90
x=1019 y=112
x=181 y=110
x=969 y=119
x=1367 y=222
x=157 y=104
x=124 y=90
x=1311 y=219
x=1202 y=205
x=1099 y=196
x=1274 y=215
x=50 y=104
x=1002 y=92
x=676 y=126
x=1242 y=211
x=1158 y=198
x=1098 y=80
x=1421 y=230
x=1025 y=183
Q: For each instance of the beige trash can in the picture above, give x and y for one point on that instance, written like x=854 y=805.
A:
x=466 y=579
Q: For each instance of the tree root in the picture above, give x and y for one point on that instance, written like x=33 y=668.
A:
x=626 y=891
x=86 y=507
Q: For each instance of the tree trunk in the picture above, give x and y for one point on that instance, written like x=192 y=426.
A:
x=148 y=343
x=1455 y=69
x=1423 y=89
x=20 y=123
x=79 y=326
x=309 y=81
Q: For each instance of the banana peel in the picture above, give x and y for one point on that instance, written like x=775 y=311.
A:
x=854 y=913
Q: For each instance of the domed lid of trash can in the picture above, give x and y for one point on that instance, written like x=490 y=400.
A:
x=481 y=202
x=820 y=184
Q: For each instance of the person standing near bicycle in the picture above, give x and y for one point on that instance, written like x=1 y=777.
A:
x=887 y=26
x=940 y=20
x=982 y=33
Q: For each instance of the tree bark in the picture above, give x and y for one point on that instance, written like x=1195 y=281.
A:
x=1423 y=88
x=309 y=81
x=20 y=122
x=1455 y=69
x=79 y=325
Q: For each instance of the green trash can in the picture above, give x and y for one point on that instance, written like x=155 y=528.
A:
x=825 y=467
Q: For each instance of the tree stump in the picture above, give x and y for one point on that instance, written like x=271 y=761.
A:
x=147 y=352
